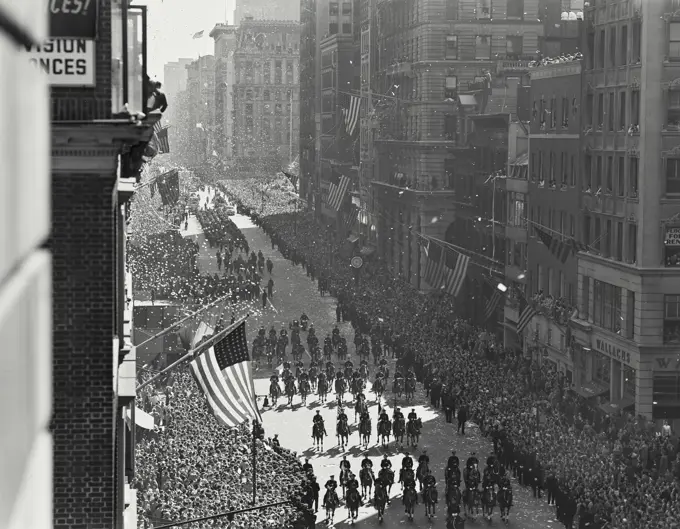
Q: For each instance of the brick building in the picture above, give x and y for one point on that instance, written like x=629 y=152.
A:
x=25 y=275
x=96 y=159
x=553 y=206
x=266 y=95
x=628 y=283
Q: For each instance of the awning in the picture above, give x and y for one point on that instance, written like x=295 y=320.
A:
x=366 y=251
x=352 y=239
x=467 y=100
x=590 y=389
x=612 y=408
x=142 y=419
x=522 y=159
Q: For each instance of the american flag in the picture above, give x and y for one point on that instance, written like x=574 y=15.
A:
x=337 y=192
x=435 y=269
x=526 y=313
x=351 y=114
x=351 y=217
x=558 y=248
x=160 y=136
x=224 y=374
x=492 y=304
x=456 y=271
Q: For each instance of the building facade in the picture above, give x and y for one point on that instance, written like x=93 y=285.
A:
x=225 y=46
x=553 y=207
x=628 y=281
x=174 y=82
x=266 y=96
x=201 y=109
x=266 y=10
x=310 y=78
x=25 y=275
x=97 y=155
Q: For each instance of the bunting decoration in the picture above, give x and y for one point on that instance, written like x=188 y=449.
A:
x=351 y=218
x=561 y=250
x=293 y=179
x=167 y=185
x=351 y=114
x=435 y=267
x=337 y=192
x=492 y=304
x=456 y=265
x=161 y=140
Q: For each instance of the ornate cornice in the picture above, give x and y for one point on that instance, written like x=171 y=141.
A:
x=675 y=151
x=672 y=85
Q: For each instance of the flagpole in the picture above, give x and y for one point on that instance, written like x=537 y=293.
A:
x=190 y=355
x=180 y=322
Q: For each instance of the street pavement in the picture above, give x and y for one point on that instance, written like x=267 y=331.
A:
x=295 y=293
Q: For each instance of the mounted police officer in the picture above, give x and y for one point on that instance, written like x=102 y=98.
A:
x=366 y=462
x=413 y=416
x=341 y=414
x=318 y=419
x=453 y=461
x=407 y=460
x=385 y=463
x=397 y=415
x=424 y=458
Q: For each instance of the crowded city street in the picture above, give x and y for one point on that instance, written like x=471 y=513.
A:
x=296 y=293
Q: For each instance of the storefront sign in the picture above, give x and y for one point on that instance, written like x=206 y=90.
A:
x=67 y=62
x=672 y=246
x=667 y=363
x=612 y=351
x=73 y=19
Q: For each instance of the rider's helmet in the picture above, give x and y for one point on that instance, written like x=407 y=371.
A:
x=384 y=456
x=318 y=412
x=413 y=410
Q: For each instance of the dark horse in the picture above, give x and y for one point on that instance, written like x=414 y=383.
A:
x=413 y=432
x=342 y=431
x=365 y=431
x=384 y=428
x=353 y=501
x=318 y=434
x=290 y=391
x=399 y=429
x=505 y=501
x=380 y=500
x=410 y=501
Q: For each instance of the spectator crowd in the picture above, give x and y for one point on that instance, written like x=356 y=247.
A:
x=600 y=471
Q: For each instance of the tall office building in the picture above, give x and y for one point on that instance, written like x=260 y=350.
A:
x=266 y=98
x=225 y=76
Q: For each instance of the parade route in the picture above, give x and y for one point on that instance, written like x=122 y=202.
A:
x=294 y=293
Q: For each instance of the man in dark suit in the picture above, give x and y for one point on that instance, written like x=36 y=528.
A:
x=462 y=418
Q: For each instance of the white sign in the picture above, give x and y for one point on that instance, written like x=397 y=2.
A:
x=67 y=62
x=673 y=236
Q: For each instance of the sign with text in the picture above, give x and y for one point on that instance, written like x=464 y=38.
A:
x=612 y=351
x=673 y=236
x=67 y=62
x=667 y=363
x=73 y=19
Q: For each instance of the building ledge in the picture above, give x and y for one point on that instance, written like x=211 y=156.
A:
x=447 y=144
x=397 y=192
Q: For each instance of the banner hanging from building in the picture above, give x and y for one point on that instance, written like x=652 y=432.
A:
x=67 y=62
x=73 y=19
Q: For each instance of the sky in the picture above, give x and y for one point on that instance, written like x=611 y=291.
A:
x=171 y=25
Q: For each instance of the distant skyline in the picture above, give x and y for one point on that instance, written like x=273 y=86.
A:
x=172 y=24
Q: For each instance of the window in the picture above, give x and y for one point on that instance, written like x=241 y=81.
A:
x=610 y=174
x=607 y=306
x=451 y=47
x=513 y=47
x=674 y=44
x=666 y=389
x=333 y=9
x=621 y=179
x=450 y=86
x=630 y=315
x=265 y=95
x=572 y=173
x=588 y=166
x=632 y=244
x=347 y=8
x=600 y=111
x=611 y=116
x=672 y=175
x=333 y=28
x=249 y=108
x=598 y=173
x=633 y=165
x=483 y=47
x=249 y=124
x=451 y=127
x=623 y=50
x=553 y=112
x=585 y=299
x=267 y=72
x=347 y=28
x=565 y=112
x=637 y=48
x=549 y=337
x=483 y=8
x=671 y=319
x=516 y=209
x=612 y=46
x=515 y=9
x=572 y=226
x=635 y=107
x=597 y=235
x=622 y=111
x=278 y=72
x=607 y=239
x=451 y=9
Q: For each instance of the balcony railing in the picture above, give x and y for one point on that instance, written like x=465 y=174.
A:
x=559 y=310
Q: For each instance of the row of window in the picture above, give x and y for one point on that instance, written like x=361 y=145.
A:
x=611 y=238
x=255 y=72
x=486 y=10
x=514 y=47
x=552 y=282
x=607 y=174
x=607 y=115
x=334 y=28
x=614 y=46
x=554 y=116
x=334 y=8
x=604 y=309
x=254 y=94
x=546 y=171
x=277 y=108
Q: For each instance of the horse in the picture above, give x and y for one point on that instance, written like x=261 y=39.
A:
x=344 y=478
x=363 y=371
x=399 y=430
x=488 y=500
x=358 y=386
x=410 y=500
x=413 y=432
x=318 y=434
x=380 y=500
x=365 y=431
x=322 y=389
x=386 y=476
x=304 y=391
x=505 y=502
x=340 y=388
x=406 y=475
x=453 y=500
x=430 y=499
x=353 y=501
x=327 y=351
x=410 y=388
x=274 y=392
x=342 y=352
x=378 y=388
x=398 y=386
x=422 y=471
x=313 y=377
x=366 y=478
x=452 y=477
x=471 y=500
x=359 y=408
x=290 y=391
x=342 y=431
x=330 y=503
x=384 y=428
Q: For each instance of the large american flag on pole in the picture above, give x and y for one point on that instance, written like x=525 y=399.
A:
x=160 y=136
x=337 y=192
x=435 y=269
x=351 y=115
x=224 y=374
x=456 y=271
